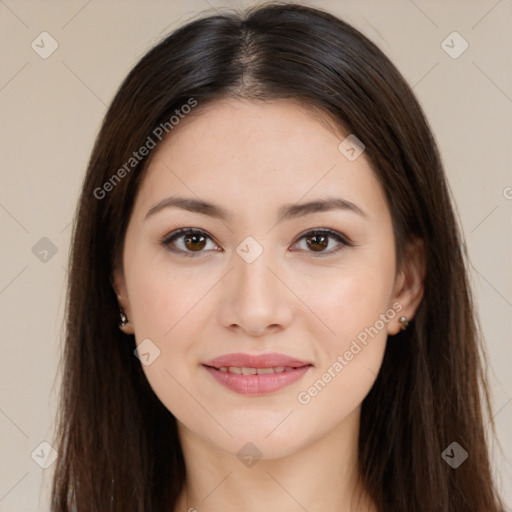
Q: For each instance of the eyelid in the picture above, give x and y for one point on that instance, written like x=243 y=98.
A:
x=342 y=239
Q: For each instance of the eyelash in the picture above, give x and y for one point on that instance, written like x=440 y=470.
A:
x=171 y=237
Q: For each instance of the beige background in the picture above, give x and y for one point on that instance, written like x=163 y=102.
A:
x=51 y=110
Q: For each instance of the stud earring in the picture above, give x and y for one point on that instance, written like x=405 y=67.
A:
x=124 y=319
x=404 y=322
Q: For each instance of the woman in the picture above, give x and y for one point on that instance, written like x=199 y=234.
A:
x=268 y=303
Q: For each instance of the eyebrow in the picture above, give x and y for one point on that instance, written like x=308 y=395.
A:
x=286 y=212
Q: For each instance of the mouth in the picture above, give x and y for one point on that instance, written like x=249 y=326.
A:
x=256 y=375
x=243 y=370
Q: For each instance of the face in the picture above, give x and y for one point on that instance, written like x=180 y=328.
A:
x=259 y=274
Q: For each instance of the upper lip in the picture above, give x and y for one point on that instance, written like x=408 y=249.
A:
x=270 y=360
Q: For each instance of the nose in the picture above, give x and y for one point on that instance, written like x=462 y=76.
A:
x=255 y=299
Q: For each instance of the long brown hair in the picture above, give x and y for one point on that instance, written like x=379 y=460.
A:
x=118 y=448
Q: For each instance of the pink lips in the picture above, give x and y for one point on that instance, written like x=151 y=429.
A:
x=256 y=384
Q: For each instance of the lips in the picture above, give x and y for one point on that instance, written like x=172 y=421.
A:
x=256 y=374
x=240 y=360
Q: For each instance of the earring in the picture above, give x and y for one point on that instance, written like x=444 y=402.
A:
x=404 y=322
x=124 y=319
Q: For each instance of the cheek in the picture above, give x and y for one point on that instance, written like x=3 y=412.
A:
x=354 y=353
x=347 y=300
x=163 y=297
x=169 y=307
x=166 y=309
x=355 y=308
x=350 y=359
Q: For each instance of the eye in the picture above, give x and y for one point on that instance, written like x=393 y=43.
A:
x=188 y=242
x=318 y=240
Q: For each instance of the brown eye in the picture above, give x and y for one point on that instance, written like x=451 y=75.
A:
x=189 y=242
x=319 y=241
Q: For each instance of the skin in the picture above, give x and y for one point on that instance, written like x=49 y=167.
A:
x=251 y=158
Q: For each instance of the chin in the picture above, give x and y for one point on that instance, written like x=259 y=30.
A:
x=267 y=442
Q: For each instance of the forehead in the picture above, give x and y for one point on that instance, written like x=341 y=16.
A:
x=227 y=126
x=254 y=153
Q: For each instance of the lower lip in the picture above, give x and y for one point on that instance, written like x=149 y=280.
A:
x=257 y=384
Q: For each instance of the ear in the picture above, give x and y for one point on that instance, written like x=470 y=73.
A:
x=118 y=283
x=409 y=283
